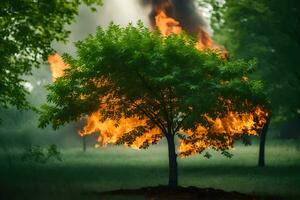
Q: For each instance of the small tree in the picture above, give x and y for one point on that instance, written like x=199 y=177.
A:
x=173 y=88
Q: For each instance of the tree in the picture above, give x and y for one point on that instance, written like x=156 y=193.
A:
x=268 y=31
x=165 y=86
x=28 y=28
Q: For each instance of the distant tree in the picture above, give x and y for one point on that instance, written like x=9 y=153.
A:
x=166 y=82
x=268 y=31
x=41 y=154
x=28 y=27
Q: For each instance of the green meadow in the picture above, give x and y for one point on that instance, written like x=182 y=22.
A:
x=117 y=167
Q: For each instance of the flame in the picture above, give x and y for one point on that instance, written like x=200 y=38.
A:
x=232 y=125
x=111 y=133
x=57 y=66
x=204 y=41
x=229 y=126
x=168 y=25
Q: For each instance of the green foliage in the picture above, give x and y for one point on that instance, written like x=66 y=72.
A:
x=166 y=81
x=28 y=28
x=269 y=31
x=216 y=12
x=41 y=155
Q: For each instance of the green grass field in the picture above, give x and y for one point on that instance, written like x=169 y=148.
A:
x=119 y=167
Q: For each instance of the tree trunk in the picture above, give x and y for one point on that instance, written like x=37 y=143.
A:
x=173 y=174
x=262 y=143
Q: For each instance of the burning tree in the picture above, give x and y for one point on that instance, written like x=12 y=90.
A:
x=138 y=86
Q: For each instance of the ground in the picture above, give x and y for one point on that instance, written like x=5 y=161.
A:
x=81 y=175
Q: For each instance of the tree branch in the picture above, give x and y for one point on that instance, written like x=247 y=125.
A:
x=161 y=97
x=154 y=119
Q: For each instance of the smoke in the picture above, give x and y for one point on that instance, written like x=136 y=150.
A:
x=123 y=12
x=187 y=12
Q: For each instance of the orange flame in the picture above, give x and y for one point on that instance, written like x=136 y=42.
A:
x=204 y=41
x=232 y=125
x=110 y=133
x=168 y=25
x=57 y=66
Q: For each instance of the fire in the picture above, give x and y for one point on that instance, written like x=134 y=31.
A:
x=110 y=133
x=233 y=124
x=57 y=66
x=237 y=123
x=204 y=41
x=167 y=25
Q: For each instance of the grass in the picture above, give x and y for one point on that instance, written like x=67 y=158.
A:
x=123 y=168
